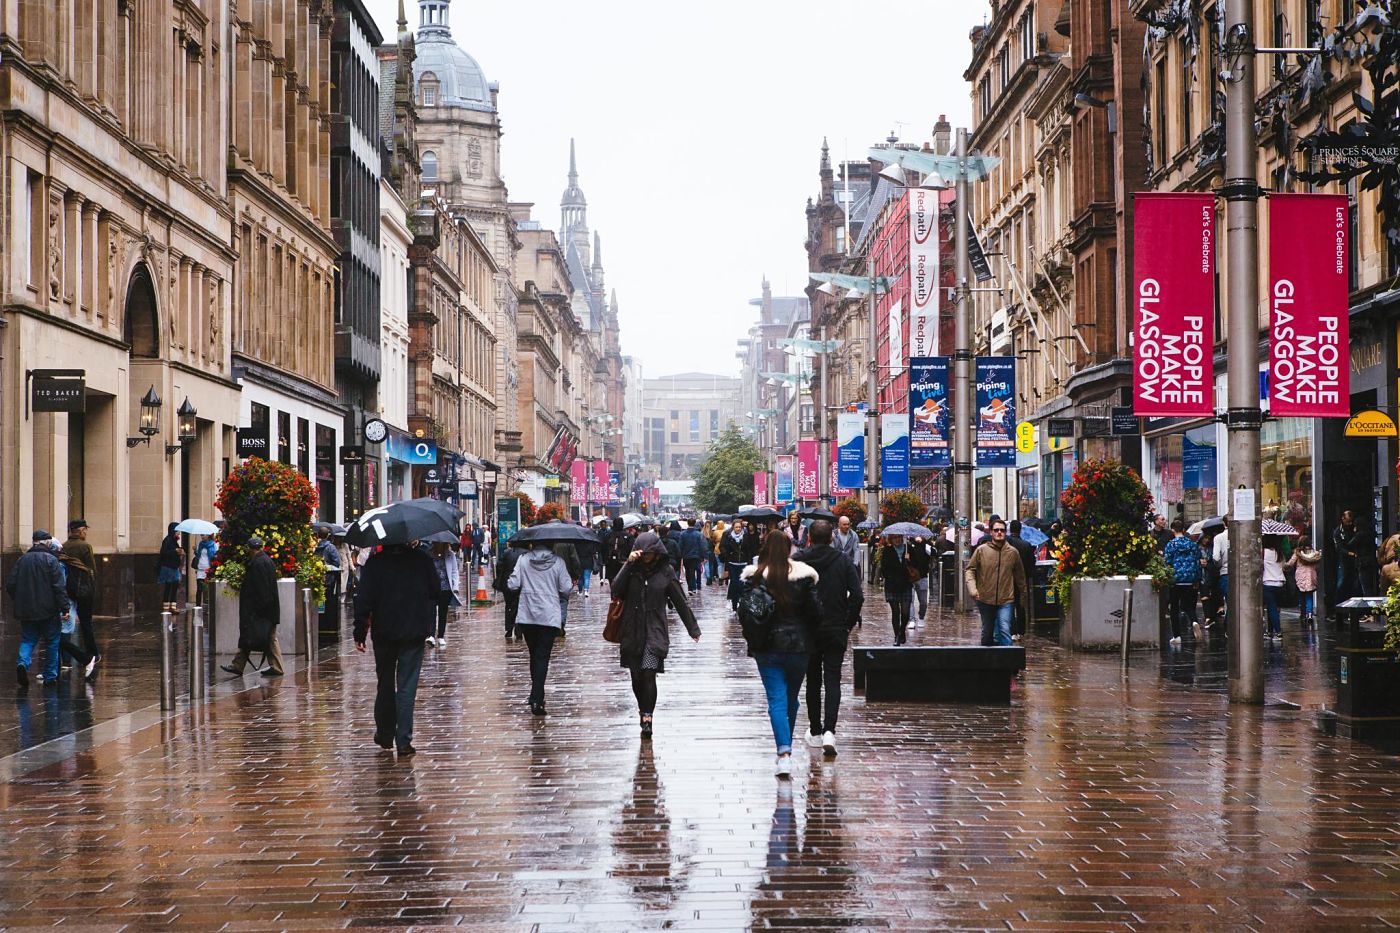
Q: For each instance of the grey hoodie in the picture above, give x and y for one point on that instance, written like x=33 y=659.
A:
x=541 y=578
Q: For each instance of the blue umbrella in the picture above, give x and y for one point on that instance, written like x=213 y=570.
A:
x=197 y=526
x=1033 y=536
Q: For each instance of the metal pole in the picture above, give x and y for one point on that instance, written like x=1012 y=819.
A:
x=962 y=382
x=823 y=438
x=872 y=415
x=309 y=624
x=167 y=662
x=1242 y=418
x=1127 y=622
x=196 y=654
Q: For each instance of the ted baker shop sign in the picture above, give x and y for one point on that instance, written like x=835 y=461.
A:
x=1174 y=295
x=1308 y=255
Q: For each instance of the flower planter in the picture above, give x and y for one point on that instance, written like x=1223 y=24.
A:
x=226 y=618
x=1095 y=620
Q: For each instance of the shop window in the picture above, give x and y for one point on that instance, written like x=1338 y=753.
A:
x=284 y=437
x=77 y=463
x=1286 y=471
x=304 y=446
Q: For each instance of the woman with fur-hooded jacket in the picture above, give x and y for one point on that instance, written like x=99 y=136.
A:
x=789 y=635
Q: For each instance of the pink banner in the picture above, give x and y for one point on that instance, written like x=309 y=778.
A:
x=1309 y=355
x=760 y=488
x=837 y=491
x=598 y=482
x=578 y=482
x=807 y=467
x=1174 y=304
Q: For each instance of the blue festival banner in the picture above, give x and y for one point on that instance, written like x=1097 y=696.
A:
x=614 y=485
x=894 y=451
x=996 y=411
x=928 y=413
x=787 y=473
x=850 y=449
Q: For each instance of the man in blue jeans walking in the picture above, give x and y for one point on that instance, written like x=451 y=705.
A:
x=996 y=578
x=40 y=598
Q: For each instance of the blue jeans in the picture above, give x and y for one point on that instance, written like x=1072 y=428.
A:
x=1225 y=590
x=584 y=576
x=782 y=673
x=30 y=634
x=996 y=623
x=1305 y=601
x=563 y=611
x=1271 y=608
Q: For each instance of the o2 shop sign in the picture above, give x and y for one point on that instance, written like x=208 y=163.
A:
x=415 y=450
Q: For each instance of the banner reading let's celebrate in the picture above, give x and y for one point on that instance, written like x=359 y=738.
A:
x=1173 y=304
x=1308 y=281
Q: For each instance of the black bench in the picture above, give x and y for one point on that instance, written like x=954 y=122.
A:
x=953 y=673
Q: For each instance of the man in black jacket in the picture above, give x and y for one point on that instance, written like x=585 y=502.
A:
x=733 y=554
x=259 y=611
x=39 y=601
x=839 y=592
x=396 y=601
x=1027 y=554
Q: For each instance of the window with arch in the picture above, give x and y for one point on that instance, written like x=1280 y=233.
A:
x=430 y=165
x=428 y=86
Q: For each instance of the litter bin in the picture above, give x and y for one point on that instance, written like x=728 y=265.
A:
x=947 y=579
x=1368 y=676
x=1046 y=609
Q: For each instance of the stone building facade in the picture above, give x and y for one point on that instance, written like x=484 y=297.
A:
x=119 y=263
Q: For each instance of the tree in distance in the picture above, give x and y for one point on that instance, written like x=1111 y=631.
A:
x=725 y=480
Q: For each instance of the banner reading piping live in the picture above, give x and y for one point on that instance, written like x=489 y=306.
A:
x=760 y=488
x=807 y=466
x=783 y=484
x=850 y=447
x=923 y=272
x=614 y=485
x=996 y=411
x=1309 y=357
x=928 y=412
x=1174 y=291
x=894 y=451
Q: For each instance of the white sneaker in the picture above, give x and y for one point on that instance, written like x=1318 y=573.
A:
x=432 y=642
x=91 y=666
x=442 y=642
x=815 y=741
x=784 y=766
x=829 y=744
x=585 y=594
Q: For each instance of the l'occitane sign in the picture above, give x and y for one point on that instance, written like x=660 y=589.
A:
x=1370 y=423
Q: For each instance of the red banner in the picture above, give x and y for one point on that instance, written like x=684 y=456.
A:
x=807 y=467
x=1308 y=294
x=598 y=482
x=1174 y=304
x=837 y=491
x=760 y=488
x=578 y=482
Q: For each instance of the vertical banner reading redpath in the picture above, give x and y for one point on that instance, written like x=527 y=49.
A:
x=807 y=466
x=1174 y=304
x=1309 y=356
x=923 y=272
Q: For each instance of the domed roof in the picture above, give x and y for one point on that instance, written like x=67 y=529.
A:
x=461 y=82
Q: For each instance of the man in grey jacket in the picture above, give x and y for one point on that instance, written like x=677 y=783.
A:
x=36 y=588
x=846 y=542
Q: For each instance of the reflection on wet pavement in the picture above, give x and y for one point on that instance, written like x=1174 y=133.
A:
x=1095 y=801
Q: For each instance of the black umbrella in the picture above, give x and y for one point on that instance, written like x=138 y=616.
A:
x=445 y=537
x=820 y=515
x=555 y=533
x=761 y=514
x=403 y=522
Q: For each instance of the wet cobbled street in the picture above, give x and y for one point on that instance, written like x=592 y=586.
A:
x=1094 y=802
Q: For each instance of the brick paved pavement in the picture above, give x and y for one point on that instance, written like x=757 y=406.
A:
x=1093 y=803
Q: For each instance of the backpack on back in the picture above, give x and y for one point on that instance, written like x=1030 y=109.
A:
x=757 y=609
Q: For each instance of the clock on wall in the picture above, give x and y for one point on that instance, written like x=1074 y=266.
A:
x=375 y=431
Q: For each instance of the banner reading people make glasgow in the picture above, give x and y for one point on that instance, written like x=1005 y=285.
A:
x=1174 y=304
x=928 y=413
x=578 y=482
x=850 y=446
x=996 y=411
x=1309 y=357
x=833 y=466
x=923 y=272
x=807 y=466
x=894 y=451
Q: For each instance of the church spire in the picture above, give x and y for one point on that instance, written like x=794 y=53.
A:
x=573 y=207
x=573 y=165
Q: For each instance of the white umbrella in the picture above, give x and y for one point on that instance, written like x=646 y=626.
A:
x=197 y=526
x=1271 y=527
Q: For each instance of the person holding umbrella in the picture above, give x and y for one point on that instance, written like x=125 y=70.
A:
x=897 y=567
x=648 y=584
x=395 y=602
x=543 y=582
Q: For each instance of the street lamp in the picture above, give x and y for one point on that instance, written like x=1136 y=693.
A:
x=185 y=427
x=150 y=419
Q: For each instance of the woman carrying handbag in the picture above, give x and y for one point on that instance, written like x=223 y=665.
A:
x=640 y=625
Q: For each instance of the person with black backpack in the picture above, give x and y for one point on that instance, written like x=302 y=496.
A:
x=780 y=614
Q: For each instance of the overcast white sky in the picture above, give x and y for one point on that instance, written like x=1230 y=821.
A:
x=699 y=130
